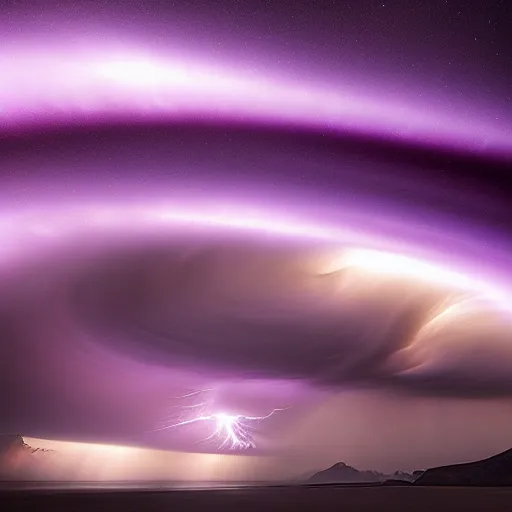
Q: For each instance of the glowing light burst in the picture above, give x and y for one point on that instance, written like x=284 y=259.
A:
x=233 y=431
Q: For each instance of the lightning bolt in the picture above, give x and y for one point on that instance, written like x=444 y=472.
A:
x=235 y=431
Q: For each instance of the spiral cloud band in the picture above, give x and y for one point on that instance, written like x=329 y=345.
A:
x=172 y=225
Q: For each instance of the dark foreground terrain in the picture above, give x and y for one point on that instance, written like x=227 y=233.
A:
x=266 y=499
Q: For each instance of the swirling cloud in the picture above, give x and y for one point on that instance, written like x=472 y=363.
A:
x=172 y=222
x=293 y=304
x=85 y=84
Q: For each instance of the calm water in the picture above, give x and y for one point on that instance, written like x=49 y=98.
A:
x=127 y=486
x=95 y=497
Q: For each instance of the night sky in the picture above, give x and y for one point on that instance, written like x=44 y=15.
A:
x=295 y=214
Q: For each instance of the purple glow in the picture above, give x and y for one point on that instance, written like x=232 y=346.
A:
x=320 y=256
x=88 y=84
x=370 y=250
x=234 y=431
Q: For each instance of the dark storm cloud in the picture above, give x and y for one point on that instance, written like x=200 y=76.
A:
x=95 y=334
x=252 y=309
x=111 y=159
x=225 y=306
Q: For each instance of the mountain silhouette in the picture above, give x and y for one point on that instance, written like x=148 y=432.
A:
x=343 y=473
x=20 y=461
x=494 y=471
x=11 y=442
